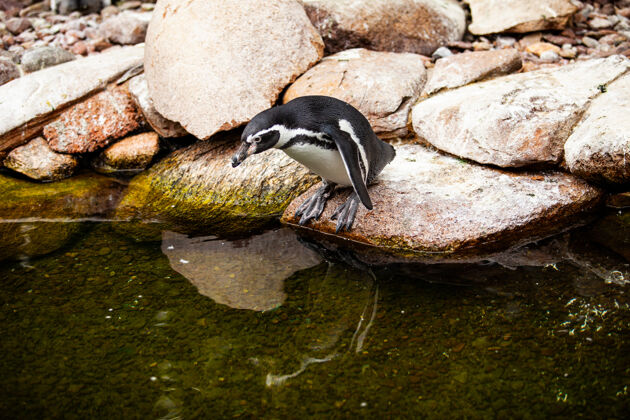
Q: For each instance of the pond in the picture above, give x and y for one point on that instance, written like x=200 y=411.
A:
x=115 y=320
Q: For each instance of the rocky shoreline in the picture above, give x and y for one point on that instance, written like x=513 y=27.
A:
x=509 y=125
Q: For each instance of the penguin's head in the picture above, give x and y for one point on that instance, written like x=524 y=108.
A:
x=259 y=135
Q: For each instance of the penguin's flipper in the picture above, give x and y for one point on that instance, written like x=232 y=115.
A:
x=349 y=152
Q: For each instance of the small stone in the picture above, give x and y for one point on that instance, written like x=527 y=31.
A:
x=441 y=53
x=505 y=42
x=125 y=28
x=8 y=70
x=549 y=56
x=99 y=44
x=18 y=25
x=40 y=58
x=147 y=7
x=132 y=154
x=80 y=48
x=104 y=251
x=539 y=48
x=481 y=46
x=109 y=11
x=568 y=51
x=600 y=23
x=37 y=161
x=590 y=42
x=130 y=5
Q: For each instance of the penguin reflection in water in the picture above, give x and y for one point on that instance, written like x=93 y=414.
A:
x=332 y=139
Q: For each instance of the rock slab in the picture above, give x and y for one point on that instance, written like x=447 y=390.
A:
x=239 y=55
x=515 y=120
x=417 y=26
x=493 y=16
x=381 y=85
x=140 y=93
x=433 y=206
x=29 y=102
x=196 y=188
x=95 y=123
x=132 y=154
x=461 y=69
x=37 y=161
x=599 y=147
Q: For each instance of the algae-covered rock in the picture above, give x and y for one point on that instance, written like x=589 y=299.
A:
x=83 y=196
x=196 y=188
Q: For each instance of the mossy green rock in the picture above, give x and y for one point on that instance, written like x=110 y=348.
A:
x=86 y=195
x=196 y=188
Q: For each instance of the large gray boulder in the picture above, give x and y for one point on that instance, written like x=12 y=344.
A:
x=418 y=26
x=381 y=85
x=31 y=101
x=196 y=189
x=212 y=66
x=599 y=147
x=432 y=207
x=516 y=120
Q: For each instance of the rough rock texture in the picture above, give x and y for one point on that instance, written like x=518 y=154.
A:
x=418 y=26
x=8 y=70
x=42 y=57
x=381 y=85
x=516 y=120
x=492 y=16
x=196 y=187
x=599 y=147
x=432 y=206
x=238 y=56
x=126 y=28
x=461 y=69
x=94 y=123
x=37 y=161
x=79 y=197
x=31 y=101
x=131 y=154
x=140 y=94
x=231 y=273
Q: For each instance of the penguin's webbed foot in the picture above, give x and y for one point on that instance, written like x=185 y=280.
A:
x=346 y=213
x=313 y=207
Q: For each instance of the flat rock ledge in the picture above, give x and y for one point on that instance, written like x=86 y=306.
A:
x=432 y=207
x=197 y=189
x=516 y=120
x=381 y=85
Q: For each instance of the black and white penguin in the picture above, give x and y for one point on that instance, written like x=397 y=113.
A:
x=332 y=139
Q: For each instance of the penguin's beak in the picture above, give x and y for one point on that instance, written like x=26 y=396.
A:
x=240 y=155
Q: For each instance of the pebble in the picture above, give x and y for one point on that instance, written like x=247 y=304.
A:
x=550 y=56
x=481 y=46
x=538 y=48
x=600 y=23
x=590 y=42
x=505 y=42
x=18 y=25
x=441 y=53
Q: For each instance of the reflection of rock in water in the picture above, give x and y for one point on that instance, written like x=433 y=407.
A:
x=341 y=310
x=242 y=274
x=19 y=241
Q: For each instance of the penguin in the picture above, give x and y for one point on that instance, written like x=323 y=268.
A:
x=331 y=138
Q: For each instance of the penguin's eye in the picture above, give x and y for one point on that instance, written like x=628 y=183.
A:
x=257 y=139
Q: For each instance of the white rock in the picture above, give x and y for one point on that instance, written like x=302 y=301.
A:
x=212 y=66
x=516 y=120
x=599 y=148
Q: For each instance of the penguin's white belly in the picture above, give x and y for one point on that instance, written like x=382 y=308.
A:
x=326 y=163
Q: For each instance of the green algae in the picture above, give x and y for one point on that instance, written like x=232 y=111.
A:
x=105 y=328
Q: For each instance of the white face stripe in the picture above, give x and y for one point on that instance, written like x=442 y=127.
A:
x=287 y=134
x=345 y=125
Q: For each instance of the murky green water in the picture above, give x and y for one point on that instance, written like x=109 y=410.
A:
x=108 y=326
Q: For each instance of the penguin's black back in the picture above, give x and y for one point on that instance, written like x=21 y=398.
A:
x=313 y=112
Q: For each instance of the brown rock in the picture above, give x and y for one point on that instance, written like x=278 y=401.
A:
x=238 y=56
x=37 y=161
x=489 y=16
x=418 y=26
x=94 y=123
x=18 y=25
x=8 y=70
x=132 y=154
x=539 y=48
x=140 y=93
x=435 y=207
x=381 y=85
x=461 y=69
